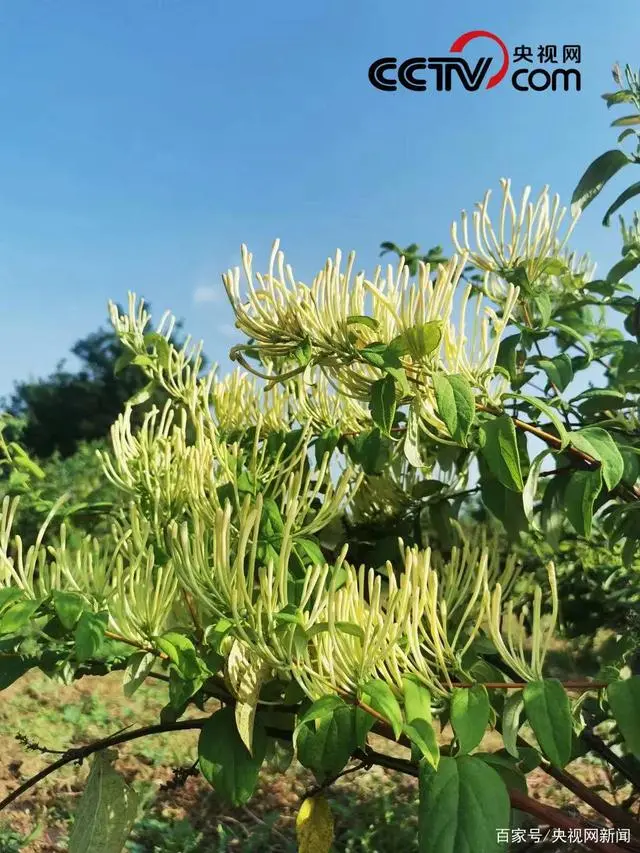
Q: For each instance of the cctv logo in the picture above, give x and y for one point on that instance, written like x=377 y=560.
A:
x=386 y=74
x=445 y=67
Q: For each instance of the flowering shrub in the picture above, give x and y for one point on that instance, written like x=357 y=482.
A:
x=355 y=395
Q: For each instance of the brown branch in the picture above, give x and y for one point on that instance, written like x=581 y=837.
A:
x=625 y=765
x=80 y=753
x=613 y=813
x=616 y=815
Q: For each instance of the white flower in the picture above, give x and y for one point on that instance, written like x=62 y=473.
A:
x=527 y=238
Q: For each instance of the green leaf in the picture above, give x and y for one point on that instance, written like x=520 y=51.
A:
x=505 y=505
x=138 y=668
x=89 y=634
x=17 y=615
x=381 y=355
x=571 y=333
x=225 y=761
x=623 y=198
x=9 y=595
x=547 y=410
x=379 y=696
x=624 y=699
x=470 y=709
x=371 y=450
x=123 y=360
x=625 y=133
x=549 y=713
x=422 y=735
x=303 y=352
x=311 y=551
x=545 y=309
x=626 y=121
x=13 y=667
x=507 y=354
x=511 y=722
x=106 y=812
x=326 y=443
x=528 y=758
x=559 y=370
x=507 y=769
x=383 y=403
x=530 y=490
x=582 y=490
x=68 y=607
x=323 y=707
x=364 y=722
x=143 y=395
x=417 y=700
x=596 y=176
x=325 y=744
x=456 y=404
x=181 y=652
x=596 y=400
x=624 y=267
x=597 y=442
x=161 y=346
x=420 y=341
x=20 y=459
x=427 y=488
x=362 y=320
x=622 y=96
x=462 y=805
x=500 y=449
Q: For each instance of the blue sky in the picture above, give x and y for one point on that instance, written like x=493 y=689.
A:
x=144 y=141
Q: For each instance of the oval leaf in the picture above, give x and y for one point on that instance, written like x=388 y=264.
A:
x=456 y=404
x=500 y=450
x=599 y=172
x=624 y=699
x=462 y=805
x=582 y=490
x=314 y=826
x=383 y=403
x=225 y=761
x=106 y=811
x=470 y=709
x=379 y=696
x=597 y=442
x=549 y=712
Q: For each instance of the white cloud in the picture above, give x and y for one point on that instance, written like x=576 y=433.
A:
x=207 y=293
x=208 y=283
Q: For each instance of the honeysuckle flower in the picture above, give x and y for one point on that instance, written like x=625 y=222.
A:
x=580 y=266
x=330 y=322
x=317 y=402
x=221 y=504
x=240 y=402
x=527 y=238
x=508 y=632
